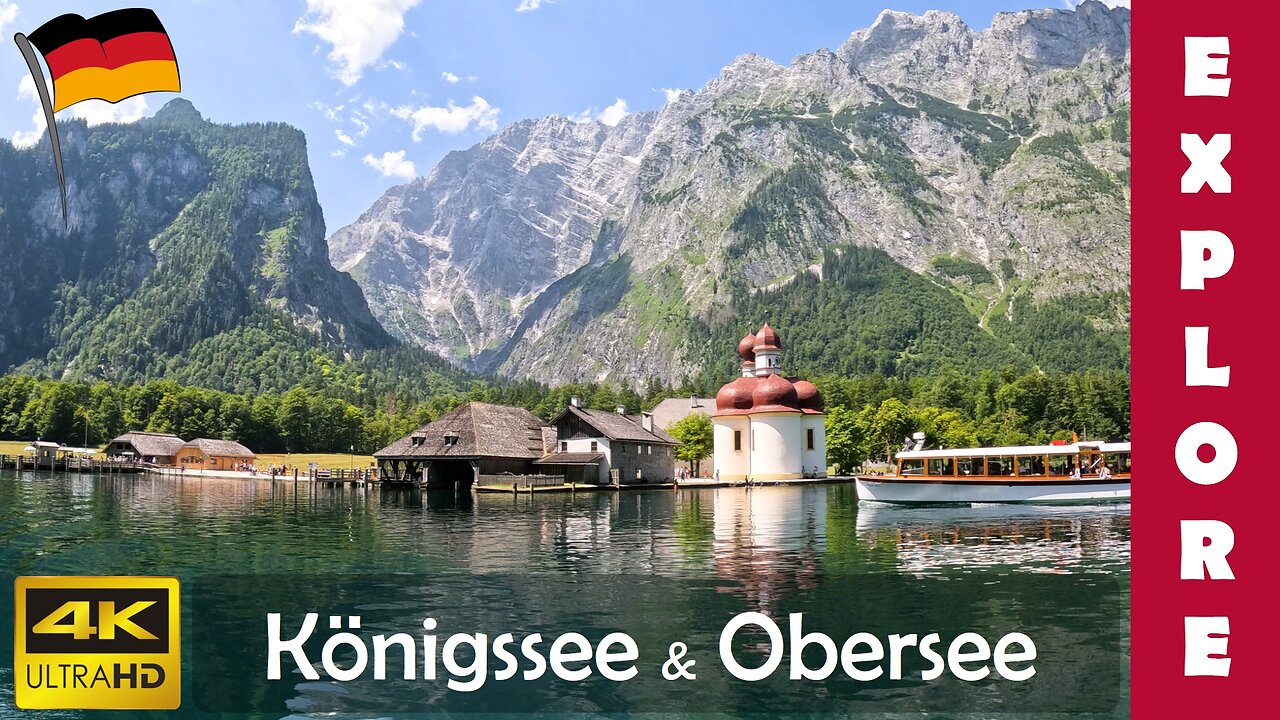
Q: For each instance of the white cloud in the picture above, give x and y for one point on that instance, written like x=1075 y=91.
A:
x=672 y=93
x=8 y=13
x=339 y=153
x=344 y=138
x=609 y=116
x=359 y=32
x=451 y=119
x=531 y=5
x=94 y=112
x=613 y=114
x=1108 y=3
x=449 y=77
x=392 y=164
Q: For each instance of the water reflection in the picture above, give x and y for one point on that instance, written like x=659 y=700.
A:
x=1025 y=538
x=762 y=546
x=763 y=537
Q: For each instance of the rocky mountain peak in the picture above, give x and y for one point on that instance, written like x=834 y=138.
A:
x=999 y=156
x=178 y=111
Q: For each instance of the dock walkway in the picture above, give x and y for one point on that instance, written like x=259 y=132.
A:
x=692 y=484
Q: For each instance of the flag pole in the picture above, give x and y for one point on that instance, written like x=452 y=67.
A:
x=33 y=64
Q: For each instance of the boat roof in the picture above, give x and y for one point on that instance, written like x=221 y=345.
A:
x=1016 y=450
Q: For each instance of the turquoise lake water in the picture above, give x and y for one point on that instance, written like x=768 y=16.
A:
x=773 y=545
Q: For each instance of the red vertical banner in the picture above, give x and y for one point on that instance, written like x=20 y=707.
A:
x=1200 y=217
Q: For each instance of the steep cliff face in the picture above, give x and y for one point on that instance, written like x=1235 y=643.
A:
x=453 y=260
x=193 y=251
x=993 y=164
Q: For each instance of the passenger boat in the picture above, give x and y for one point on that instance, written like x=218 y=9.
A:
x=1022 y=474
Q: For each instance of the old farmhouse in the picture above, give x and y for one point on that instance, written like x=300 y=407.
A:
x=473 y=439
x=205 y=454
x=152 y=448
x=673 y=410
x=609 y=448
x=484 y=443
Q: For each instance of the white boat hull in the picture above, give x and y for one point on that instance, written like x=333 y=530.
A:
x=900 y=491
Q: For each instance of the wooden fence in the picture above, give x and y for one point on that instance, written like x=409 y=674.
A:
x=520 y=481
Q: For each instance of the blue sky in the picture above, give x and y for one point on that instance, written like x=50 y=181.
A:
x=384 y=88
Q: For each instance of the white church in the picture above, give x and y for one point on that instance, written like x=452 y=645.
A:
x=768 y=427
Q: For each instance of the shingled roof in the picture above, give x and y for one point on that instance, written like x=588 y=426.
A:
x=220 y=448
x=151 y=444
x=673 y=410
x=616 y=426
x=481 y=429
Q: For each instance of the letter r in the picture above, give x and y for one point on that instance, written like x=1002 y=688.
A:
x=1199 y=557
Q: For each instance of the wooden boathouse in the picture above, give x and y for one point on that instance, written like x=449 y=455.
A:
x=474 y=442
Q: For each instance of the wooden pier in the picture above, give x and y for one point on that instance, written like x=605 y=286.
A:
x=320 y=477
x=28 y=463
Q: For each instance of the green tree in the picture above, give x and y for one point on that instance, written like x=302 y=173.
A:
x=696 y=436
x=889 y=425
x=846 y=447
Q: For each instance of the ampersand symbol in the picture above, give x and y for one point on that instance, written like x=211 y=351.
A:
x=673 y=669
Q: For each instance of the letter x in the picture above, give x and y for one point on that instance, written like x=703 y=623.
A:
x=1206 y=163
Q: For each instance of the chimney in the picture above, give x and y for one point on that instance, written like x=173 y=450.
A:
x=622 y=409
x=575 y=401
x=646 y=421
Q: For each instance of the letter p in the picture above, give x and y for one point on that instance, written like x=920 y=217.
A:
x=1205 y=254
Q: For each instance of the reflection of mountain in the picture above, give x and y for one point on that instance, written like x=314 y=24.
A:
x=1023 y=538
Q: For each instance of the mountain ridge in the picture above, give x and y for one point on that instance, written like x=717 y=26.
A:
x=193 y=251
x=1005 y=149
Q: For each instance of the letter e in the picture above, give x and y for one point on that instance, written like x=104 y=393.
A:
x=1201 y=645
x=1199 y=66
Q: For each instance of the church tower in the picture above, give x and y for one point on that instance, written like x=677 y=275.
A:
x=768 y=427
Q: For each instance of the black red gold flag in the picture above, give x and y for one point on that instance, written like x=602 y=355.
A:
x=110 y=57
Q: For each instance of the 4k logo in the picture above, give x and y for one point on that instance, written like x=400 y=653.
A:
x=97 y=643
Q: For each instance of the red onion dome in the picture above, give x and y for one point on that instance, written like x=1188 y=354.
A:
x=767 y=338
x=746 y=348
x=807 y=396
x=775 y=392
x=736 y=396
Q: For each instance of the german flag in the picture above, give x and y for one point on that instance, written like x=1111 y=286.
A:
x=110 y=57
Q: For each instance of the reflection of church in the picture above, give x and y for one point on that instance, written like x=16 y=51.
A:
x=768 y=427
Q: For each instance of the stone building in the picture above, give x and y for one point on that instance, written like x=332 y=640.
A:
x=767 y=426
x=602 y=447
x=673 y=410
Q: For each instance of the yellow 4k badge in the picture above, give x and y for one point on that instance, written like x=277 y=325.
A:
x=97 y=643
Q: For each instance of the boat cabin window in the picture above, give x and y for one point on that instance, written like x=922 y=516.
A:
x=1031 y=465
x=911 y=467
x=942 y=467
x=1118 y=462
x=971 y=465
x=1089 y=463
x=1000 y=466
x=1061 y=464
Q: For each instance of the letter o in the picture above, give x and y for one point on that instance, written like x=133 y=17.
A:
x=1188 y=447
x=775 y=646
x=335 y=671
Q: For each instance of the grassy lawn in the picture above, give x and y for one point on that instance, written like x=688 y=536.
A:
x=12 y=447
x=326 y=461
